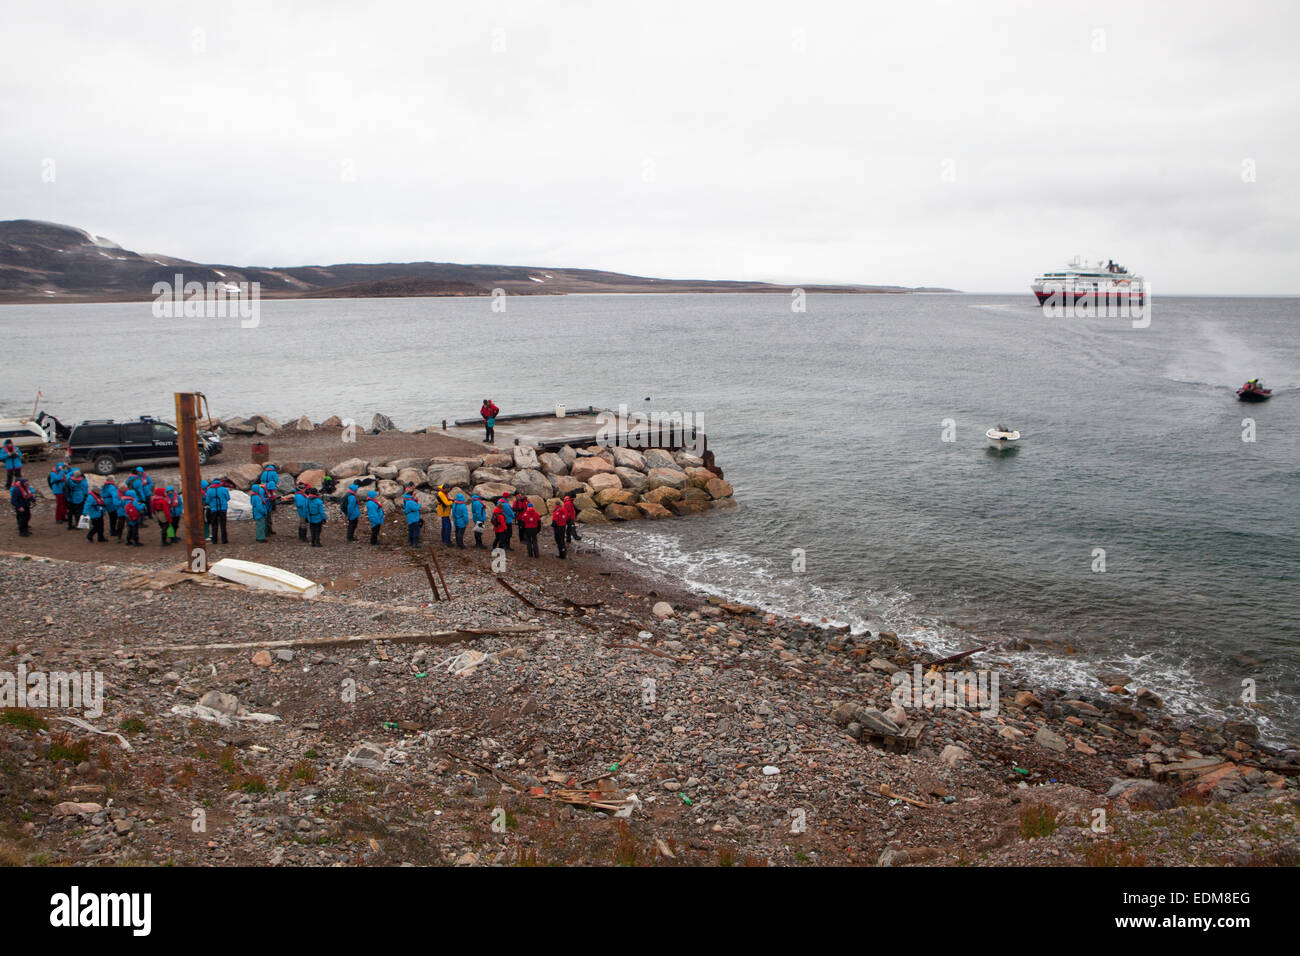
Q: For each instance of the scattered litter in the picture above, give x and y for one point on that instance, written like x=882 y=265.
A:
x=466 y=662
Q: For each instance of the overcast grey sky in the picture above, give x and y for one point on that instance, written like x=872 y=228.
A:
x=964 y=144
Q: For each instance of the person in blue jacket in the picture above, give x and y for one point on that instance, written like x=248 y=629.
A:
x=175 y=511
x=300 y=504
x=113 y=507
x=260 y=511
x=94 y=510
x=220 y=504
x=352 y=510
x=504 y=502
x=478 y=511
x=57 y=480
x=22 y=497
x=411 y=509
x=375 y=515
x=75 y=492
x=269 y=479
x=460 y=518
x=12 y=456
x=141 y=485
x=207 y=515
x=315 y=515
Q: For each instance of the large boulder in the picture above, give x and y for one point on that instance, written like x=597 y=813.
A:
x=628 y=458
x=689 y=506
x=605 y=482
x=568 y=455
x=632 y=478
x=412 y=476
x=401 y=464
x=690 y=491
x=312 y=477
x=238 y=426
x=448 y=475
x=332 y=422
x=584 y=502
x=552 y=464
x=615 y=496
x=243 y=476
x=666 y=477
x=568 y=485
x=685 y=459
x=525 y=457
x=491 y=474
x=304 y=425
x=658 y=458
x=261 y=422
x=532 y=482
x=389 y=489
x=541 y=504
x=350 y=468
x=592 y=516
x=663 y=495
x=622 y=512
x=700 y=477
x=386 y=472
x=468 y=461
x=652 y=510
x=717 y=488
x=491 y=490
x=382 y=423
x=584 y=468
x=499 y=459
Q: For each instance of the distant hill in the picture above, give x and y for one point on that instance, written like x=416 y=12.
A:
x=48 y=262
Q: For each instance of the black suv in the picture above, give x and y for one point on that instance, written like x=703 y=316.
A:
x=109 y=444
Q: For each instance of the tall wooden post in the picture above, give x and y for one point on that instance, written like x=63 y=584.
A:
x=187 y=415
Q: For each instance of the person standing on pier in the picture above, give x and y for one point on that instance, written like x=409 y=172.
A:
x=57 y=479
x=411 y=509
x=444 y=514
x=21 y=497
x=489 y=412
x=12 y=456
x=460 y=518
x=95 y=508
x=75 y=492
x=113 y=506
x=375 y=515
x=560 y=528
x=315 y=516
x=478 y=512
x=352 y=510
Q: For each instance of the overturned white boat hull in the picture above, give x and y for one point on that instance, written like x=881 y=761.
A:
x=264 y=576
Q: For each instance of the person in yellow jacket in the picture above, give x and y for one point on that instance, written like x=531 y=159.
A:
x=444 y=512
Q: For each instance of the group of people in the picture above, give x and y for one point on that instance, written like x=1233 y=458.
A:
x=78 y=504
x=138 y=499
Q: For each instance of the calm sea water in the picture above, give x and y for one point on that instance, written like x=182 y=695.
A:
x=830 y=425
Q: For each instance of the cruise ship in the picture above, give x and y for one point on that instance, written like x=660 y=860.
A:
x=1102 y=281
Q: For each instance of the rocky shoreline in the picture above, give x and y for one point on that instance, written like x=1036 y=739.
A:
x=575 y=713
x=608 y=483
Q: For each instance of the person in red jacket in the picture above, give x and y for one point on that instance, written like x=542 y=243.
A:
x=500 y=526
x=571 y=529
x=530 y=522
x=161 y=509
x=560 y=527
x=489 y=413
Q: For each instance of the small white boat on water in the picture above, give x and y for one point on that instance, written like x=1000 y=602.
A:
x=1002 y=437
x=264 y=576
